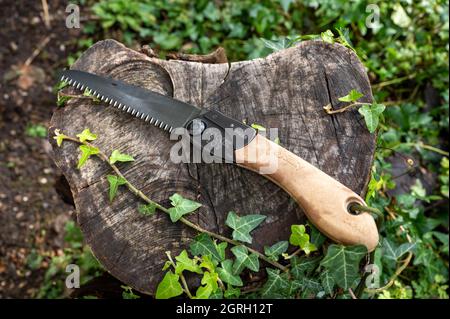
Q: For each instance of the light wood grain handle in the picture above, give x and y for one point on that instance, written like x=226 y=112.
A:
x=324 y=200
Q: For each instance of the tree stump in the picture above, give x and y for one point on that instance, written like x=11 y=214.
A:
x=286 y=90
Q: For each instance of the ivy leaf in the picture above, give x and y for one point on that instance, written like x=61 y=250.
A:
x=116 y=156
x=59 y=86
x=114 y=183
x=218 y=294
x=327 y=282
x=400 y=17
x=203 y=245
x=208 y=263
x=169 y=287
x=186 y=263
x=310 y=287
x=258 y=127
x=147 y=210
x=274 y=251
x=226 y=273
x=285 y=4
x=59 y=137
x=232 y=292
x=242 y=226
x=275 y=285
x=371 y=115
x=181 y=207
x=352 y=96
x=86 y=135
x=304 y=266
x=418 y=190
x=221 y=249
x=62 y=99
x=128 y=293
x=344 y=38
x=278 y=44
x=393 y=252
x=327 y=36
x=244 y=260
x=317 y=238
x=86 y=152
x=342 y=263
x=209 y=285
x=300 y=238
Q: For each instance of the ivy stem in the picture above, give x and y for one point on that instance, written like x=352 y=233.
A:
x=420 y=144
x=403 y=265
x=74 y=96
x=222 y=286
x=328 y=108
x=183 y=280
x=188 y=223
x=295 y=253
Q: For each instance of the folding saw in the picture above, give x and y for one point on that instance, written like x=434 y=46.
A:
x=324 y=200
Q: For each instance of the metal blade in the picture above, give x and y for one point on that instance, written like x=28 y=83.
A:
x=160 y=110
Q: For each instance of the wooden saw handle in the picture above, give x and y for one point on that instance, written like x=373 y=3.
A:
x=324 y=200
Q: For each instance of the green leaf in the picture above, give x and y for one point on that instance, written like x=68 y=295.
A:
x=218 y=294
x=62 y=99
x=276 y=284
x=86 y=152
x=36 y=130
x=285 y=4
x=400 y=17
x=244 y=260
x=59 y=86
x=181 y=207
x=300 y=238
x=147 y=209
x=371 y=115
x=86 y=135
x=59 y=137
x=209 y=285
x=310 y=287
x=342 y=263
x=352 y=96
x=226 y=273
x=116 y=156
x=327 y=36
x=327 y=282
x=221 y=249
x=443 y=238
x=208 y=263
x=344 y=38
x=277 y=45
x=258 y=127
x=232 y=292
x=186 y=263
x=114 y=183
x=317 y=238
x=203 y=245
x=304 y=266
x=418 y=190
x=169 y=287
x=128 y=293
x=274 y=251
x=394 y=252
x=242 y=226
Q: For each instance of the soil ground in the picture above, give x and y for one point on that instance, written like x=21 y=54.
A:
x=32 y=215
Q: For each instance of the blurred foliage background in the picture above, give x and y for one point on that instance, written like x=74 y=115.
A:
x=406 y=55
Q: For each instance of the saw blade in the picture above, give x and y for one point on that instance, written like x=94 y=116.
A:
x=157 y=109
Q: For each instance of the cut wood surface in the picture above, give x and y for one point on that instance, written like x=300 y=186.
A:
x=286 y=90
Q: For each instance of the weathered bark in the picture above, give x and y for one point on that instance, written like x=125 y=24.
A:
x=286 y=90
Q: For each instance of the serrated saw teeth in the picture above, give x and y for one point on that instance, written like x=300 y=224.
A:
x=143 y=116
